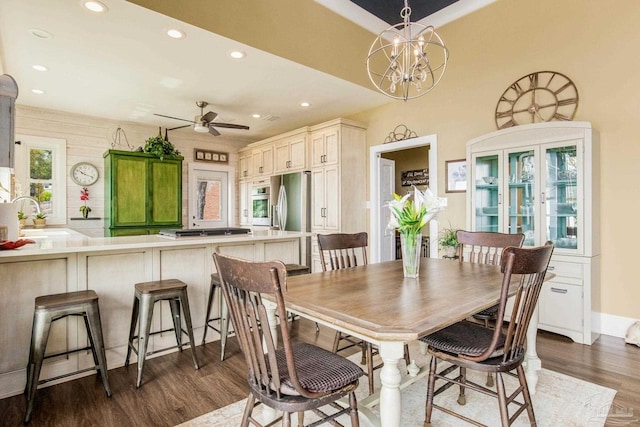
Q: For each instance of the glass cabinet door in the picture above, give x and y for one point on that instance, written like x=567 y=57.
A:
x=521 y=168
x=486 y=192
x=562 y=211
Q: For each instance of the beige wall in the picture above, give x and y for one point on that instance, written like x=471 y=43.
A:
x=595 y=45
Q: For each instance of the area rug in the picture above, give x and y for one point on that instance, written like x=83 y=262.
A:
x=560 y=400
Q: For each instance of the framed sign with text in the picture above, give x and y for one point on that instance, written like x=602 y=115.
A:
x=415 y=177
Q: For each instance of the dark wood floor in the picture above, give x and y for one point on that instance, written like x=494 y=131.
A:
x=173 y=392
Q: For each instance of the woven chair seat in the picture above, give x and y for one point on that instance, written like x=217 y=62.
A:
x=318 y=370
x=465 y=338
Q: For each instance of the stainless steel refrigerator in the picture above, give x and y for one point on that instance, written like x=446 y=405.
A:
x=292 y=207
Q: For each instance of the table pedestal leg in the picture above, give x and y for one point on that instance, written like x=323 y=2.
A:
x=390 y=401
x=532 y=361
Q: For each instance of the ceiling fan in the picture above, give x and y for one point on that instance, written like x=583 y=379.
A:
x=204 y=122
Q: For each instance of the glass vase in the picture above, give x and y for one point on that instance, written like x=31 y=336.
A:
x=411 y=244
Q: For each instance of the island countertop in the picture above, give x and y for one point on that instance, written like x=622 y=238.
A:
x=62 y=260
x=52 y=241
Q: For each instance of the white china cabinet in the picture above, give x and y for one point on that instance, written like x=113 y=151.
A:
x=542 y=180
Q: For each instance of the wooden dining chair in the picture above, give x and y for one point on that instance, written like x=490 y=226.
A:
x=338 y=251
x=295 y=378
x=469 y=345
x=485 y=248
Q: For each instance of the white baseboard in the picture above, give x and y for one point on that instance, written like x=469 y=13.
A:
x=613 y=325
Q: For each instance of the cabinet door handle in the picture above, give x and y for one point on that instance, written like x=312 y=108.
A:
x=551 y=267
x=559 y=290
x=542 y=198
x=499 y=198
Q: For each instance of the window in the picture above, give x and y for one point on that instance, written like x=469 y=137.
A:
x=40 y=169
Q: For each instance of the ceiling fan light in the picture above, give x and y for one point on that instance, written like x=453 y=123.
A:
x=199 y=127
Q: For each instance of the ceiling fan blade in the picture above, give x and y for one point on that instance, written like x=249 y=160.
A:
x=213 y=132
x=229 y=126
x=179 y=127
x=209 y=117
x=174 y=118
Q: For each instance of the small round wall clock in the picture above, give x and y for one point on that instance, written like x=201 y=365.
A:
x=537 y=97
x=84 y=174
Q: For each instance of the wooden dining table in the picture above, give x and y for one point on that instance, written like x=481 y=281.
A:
x=376 y=303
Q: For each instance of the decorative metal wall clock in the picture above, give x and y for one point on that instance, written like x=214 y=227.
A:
x=537 y=97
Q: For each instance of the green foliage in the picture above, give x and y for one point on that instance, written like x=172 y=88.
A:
x=40 y=164
x=21 y=215
x=159 y=147
x=448 y=237
x=41 y=216
x=85 y=210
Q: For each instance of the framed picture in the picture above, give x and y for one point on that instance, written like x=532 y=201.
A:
x=456 y=176
x=201 y=155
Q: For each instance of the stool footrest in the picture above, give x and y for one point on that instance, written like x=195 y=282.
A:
x=67 y=352
x=93 y=368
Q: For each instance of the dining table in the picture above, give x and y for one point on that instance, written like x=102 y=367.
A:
x=376 y=303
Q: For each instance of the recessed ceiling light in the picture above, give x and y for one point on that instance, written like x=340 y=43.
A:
x=176 y=34
x=256 y=116
x=237 y=54
x=96 y=6
x=37 y=91
x=41 y=34
x=305 y=104
x=39 y=67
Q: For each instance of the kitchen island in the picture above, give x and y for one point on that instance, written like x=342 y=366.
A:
x=62 y=260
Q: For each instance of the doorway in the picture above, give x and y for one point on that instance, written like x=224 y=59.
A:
x=211 y=196
x=379 y=180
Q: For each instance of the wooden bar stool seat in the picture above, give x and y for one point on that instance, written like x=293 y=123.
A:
x=146 y=295
x=50 y=308
x=223 y=315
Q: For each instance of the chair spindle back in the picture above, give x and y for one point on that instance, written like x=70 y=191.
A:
x=485 y=247
x=342 y=250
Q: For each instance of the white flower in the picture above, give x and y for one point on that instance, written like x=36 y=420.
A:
x=411 y=216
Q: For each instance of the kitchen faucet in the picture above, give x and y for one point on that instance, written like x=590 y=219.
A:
x=29 y=198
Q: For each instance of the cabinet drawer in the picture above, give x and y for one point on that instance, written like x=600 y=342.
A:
x=566 y=269
x=560 y=305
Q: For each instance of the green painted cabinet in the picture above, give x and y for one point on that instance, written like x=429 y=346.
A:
x=143 y=194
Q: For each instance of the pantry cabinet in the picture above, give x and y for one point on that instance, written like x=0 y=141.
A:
x=338 y=174
x=542 y=180
x=143 y=194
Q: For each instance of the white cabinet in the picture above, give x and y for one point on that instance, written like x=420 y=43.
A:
x=245 y=203
x=325 y=147
x=326 y=198
x=338 y=174
x=244 y=164
x=291 y=154
x=262 y=161
x=541 y=180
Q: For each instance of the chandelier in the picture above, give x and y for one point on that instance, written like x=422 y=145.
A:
x=408 y=59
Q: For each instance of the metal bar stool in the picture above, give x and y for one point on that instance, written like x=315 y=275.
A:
x=223 y=314
x=146 y=295
x=50 y=308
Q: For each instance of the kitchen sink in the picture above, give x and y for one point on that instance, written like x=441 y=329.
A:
x=46 y=233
